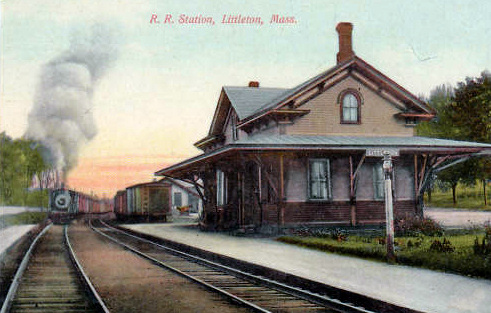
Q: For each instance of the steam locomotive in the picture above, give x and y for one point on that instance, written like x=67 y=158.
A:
x=65 y=204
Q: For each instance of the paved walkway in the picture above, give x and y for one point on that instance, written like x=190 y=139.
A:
x=7 y=210
x=419 y=289
x=9 y=235
x=458 y=217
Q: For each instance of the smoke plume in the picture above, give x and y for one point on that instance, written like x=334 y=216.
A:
x=61 y=118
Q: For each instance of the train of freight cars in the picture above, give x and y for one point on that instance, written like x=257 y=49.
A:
x=73 y=202
x=144 y=202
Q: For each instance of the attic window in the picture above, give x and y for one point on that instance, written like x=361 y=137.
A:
x=235 y=131
x=350 y=107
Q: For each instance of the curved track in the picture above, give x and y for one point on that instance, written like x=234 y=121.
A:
x=257 y=293
x=50 y=279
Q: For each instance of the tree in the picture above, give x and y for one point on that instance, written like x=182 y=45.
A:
x=470 y=112
x=20 y=161
x=463 y=113
x=441 y=127
x=470 y=109
x=6 y=175
x=439 y=100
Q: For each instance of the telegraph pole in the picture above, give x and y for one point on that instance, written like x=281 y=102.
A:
x=389 y=210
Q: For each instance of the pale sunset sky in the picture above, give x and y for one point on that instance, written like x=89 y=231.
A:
x=159 y=96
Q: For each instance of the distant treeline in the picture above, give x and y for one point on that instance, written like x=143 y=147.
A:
x=463 y=113
x=20 y=162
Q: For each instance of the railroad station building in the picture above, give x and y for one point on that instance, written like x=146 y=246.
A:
x=312 y=154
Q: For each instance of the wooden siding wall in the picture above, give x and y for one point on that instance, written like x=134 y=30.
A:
x=335 y=213
x=296 y=180
x=271 y=128
x=377 y=115
x=340 y=178
x=404 y=178
x=298 y=209
x=297 y=185
x=270 y=214
x=315 y=212
x=227 y=129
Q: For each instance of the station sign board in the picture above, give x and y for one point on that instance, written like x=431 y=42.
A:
x=379 y=152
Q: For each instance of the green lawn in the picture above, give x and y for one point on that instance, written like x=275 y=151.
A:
x=468 y=197
x=23 y=218
x=422 y=251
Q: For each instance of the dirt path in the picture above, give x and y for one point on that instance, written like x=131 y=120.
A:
x=458 y=217
x=127 y=283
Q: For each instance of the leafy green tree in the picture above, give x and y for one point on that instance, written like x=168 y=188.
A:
x=6 y=175
x=470 y=110
x=463 y=113
x=440 y=127
x=470 y=113
x=20 y=161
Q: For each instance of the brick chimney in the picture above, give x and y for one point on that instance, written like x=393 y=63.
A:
x=254 y=84
x=345 y=43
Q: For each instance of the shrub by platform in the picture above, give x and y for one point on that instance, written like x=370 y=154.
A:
x=455 y=253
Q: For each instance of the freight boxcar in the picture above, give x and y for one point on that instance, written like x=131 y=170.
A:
x=144 y=202
x=120 y=202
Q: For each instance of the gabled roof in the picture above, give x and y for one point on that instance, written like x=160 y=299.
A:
x=244 y=101
x=355 y=64
x=252 y=103
x=247 y=100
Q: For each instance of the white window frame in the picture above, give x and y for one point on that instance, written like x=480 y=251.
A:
x=175 y=198
x=379 y=184
x=378 y=179
x=221 y=180
x=351 y=108
x=328 y=183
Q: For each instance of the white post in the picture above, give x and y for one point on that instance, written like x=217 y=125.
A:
x=389 y=211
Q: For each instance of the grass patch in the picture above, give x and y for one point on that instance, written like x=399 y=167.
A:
x=23 y=218
x=468 y=197
x=443 y=200
x=35 y=198
x=452 y=253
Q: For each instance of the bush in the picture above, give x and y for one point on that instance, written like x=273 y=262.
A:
x=439 y=246
x=335 y=234
x=487 y=229
x=483 y=248
x=37 y=198
x=413 y=226
x=24 y=218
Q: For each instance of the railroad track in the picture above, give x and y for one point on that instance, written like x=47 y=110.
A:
x=255 y=292
x=50 y=278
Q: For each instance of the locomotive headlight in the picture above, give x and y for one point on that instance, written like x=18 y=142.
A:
x=62 y=200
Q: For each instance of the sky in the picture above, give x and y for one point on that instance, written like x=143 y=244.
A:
x=158 y=95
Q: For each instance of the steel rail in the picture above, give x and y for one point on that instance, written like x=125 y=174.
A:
x=20 y=271
x=199 y=281
x=293 y=291
x=79 y=268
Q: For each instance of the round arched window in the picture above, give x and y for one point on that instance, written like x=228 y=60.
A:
x=350 y=108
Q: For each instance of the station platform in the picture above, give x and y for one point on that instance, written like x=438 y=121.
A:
x=9 y=235
x=418 y=289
